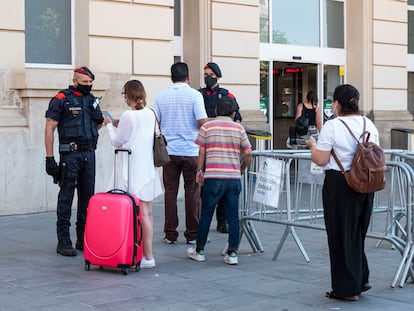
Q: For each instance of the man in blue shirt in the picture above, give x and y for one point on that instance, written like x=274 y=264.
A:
x=180 y=111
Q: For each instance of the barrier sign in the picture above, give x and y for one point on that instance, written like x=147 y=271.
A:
x=268 y=181
x=327 y=110
x=310 y=173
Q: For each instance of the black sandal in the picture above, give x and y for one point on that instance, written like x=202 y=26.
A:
x=332 y=295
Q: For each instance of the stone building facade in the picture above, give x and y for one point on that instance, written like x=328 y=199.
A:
x=125 y=39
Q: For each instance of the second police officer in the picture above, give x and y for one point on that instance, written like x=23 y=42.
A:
x=75 y=112
x=211 y=94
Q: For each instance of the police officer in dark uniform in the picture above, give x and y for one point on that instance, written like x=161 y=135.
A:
x=211 y=94
x=76 y=114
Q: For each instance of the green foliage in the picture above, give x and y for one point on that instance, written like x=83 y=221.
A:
x=48 y=25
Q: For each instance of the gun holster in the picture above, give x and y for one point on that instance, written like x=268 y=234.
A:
x=60 y=178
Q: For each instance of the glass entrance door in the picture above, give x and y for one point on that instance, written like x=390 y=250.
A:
x=283 y=85
x=291 y=82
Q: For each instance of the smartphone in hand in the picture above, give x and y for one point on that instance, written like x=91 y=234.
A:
x=108 y=115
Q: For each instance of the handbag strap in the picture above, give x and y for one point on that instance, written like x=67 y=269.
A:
x=364 y=133
x=156 y=124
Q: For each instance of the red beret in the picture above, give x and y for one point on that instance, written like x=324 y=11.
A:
x=85 y=71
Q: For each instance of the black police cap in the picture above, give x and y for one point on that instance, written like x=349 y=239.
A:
x=214 y=67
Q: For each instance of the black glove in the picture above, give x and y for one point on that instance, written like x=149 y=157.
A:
x=52 y=168
x=97 y=116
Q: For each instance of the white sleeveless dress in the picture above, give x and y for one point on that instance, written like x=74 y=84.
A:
x=136 y=132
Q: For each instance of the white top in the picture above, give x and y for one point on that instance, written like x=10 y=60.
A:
x=136 y=132
x=334 y=135
x=179 y=107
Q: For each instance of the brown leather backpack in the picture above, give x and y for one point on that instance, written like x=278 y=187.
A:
x=367 y=173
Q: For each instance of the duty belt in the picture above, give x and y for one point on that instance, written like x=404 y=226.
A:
x=77 y=147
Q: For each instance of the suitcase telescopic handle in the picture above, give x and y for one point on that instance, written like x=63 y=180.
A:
x=117 y=151
x=117 y=191
x=122 y=150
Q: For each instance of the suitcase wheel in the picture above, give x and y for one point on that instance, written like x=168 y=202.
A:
x=124 y=271
x=87 y=265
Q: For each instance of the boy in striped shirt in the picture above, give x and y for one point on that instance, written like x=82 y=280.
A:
x=221 y=142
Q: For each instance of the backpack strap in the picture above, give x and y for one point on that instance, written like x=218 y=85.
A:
x=365 y=137
x=338 y=162
x=365 y=134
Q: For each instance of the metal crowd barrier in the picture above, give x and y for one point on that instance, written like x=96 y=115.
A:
x=273 y=189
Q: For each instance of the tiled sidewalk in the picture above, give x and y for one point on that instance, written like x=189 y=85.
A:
x=34 y=277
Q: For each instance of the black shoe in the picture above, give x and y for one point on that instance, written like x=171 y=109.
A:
x=222 y=227
x=65 y=249
x=366 y=287
x=79 y=245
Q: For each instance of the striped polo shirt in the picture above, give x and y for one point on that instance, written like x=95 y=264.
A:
x=223 y=140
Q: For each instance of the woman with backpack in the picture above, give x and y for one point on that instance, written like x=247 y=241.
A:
x=346 y=212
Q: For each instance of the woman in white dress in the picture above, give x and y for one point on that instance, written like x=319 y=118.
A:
x=135 y=131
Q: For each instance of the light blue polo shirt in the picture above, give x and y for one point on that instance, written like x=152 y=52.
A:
x=178 y=108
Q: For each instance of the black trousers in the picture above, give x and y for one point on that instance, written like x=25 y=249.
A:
x=347 y=216
x=79 y=174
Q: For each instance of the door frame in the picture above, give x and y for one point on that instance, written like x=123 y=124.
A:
x=319 y=56
x=319 y=88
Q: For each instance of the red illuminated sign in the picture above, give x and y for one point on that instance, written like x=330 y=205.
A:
x=293 y=70
x=277 y=72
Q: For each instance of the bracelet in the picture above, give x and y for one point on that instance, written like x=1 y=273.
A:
x=199 y=171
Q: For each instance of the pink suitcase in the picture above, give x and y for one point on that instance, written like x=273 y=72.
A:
x=113 y=231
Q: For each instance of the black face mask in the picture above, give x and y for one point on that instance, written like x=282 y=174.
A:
x=210 y=81
x=84 y=89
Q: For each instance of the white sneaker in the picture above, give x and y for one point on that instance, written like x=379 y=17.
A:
x=231 y=259
x=166 y=241
x=194 y=242
x=197 y=256
x=147 y=263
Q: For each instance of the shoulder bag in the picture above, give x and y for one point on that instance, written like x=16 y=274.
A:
x=161 y=156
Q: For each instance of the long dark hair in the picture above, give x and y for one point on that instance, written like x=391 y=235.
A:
x=312 y=98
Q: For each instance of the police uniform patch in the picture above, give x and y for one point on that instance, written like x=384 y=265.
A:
x=75 y=111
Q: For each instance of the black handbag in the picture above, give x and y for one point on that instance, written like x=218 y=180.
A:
x=302 y=123
x=161 y=156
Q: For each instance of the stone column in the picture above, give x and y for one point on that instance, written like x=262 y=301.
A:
x=376 y=44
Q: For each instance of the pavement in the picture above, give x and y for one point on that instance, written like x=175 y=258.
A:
x=34 y=277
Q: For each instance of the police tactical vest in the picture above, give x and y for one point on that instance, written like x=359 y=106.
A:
x=76 y=124
x=210 y=99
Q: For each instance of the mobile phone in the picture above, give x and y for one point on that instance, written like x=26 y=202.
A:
x=107 y=114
